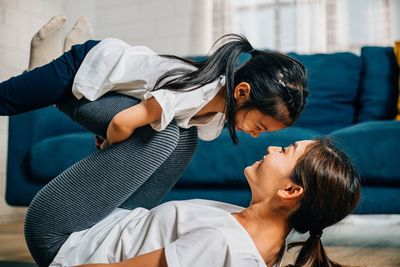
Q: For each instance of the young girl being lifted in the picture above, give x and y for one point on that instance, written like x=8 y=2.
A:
x=267 y=93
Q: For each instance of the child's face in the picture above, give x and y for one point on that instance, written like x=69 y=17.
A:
x=255 y=122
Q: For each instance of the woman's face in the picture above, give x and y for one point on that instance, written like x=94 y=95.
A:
x=271 y=173
x=254 y=122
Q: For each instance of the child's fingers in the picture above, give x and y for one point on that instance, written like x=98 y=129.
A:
x=104 y=144
x=98 y=140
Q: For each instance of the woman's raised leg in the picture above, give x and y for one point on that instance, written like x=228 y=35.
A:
x=92 y=188
x=152 y=192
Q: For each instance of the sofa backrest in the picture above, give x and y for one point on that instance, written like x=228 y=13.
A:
x=333 y=83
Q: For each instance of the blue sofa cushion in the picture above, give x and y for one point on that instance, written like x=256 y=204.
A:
x=53 y=155
x=225 y=162
x=374 y=148
x=333 y=85
x=379 y=85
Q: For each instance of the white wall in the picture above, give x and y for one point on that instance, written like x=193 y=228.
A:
x=19 y=20
x=166 y=26
x=162 y=25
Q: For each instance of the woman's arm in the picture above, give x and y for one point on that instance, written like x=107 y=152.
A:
x=125 y=122
x=155 y=258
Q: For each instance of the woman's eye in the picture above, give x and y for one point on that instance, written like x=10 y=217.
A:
x=283 y=149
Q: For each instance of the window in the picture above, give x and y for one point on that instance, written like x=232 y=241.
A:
x=310 y=26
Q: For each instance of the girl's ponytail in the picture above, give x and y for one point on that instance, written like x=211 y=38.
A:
x=222 y=62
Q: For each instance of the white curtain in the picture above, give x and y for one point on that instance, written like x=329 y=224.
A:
x=210 y=20
x=310 y=26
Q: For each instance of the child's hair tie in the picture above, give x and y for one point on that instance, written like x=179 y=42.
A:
x=282 y=83
x=252 y=51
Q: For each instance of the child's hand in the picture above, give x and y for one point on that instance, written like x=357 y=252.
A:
x=101 y=143
x=118 y=131
x=104 y=144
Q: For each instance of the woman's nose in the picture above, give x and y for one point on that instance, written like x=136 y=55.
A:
x=272 y=149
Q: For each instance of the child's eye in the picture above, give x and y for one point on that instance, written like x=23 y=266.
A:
x=283 y=149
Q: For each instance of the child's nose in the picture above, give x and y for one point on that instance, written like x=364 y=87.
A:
x=255 y=134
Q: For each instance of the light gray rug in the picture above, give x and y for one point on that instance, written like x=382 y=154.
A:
x=377 y=230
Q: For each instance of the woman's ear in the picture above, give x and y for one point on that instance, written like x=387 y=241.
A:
x=242 y=92
x=291 y=191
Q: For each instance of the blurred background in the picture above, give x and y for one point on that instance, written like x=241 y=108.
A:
x=189 y=27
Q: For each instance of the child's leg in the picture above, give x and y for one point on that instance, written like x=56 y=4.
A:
x=151 y=193
x=92 y=188
x=43 y=86
x=80 y=33
x=46 y=43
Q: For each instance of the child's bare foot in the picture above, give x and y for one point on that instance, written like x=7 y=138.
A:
x=46 y=43
x=80 y=33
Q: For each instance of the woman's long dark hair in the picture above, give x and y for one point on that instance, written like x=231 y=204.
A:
x=331 y=191
x=278 y=82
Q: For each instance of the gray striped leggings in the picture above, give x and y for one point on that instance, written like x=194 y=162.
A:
x=137 y=172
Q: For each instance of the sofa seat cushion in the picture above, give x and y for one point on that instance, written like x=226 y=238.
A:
x=374 y=148
x=221 y=162
x=53 y=155
x=333 y=85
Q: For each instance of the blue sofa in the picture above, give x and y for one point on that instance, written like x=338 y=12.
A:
x=353 y=98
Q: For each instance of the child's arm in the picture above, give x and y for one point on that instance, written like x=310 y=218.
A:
x=125 y=122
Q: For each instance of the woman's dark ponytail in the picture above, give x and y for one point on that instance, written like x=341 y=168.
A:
x=222 y=62
x=312 y=254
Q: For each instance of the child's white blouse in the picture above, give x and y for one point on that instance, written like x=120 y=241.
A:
x=114 y=65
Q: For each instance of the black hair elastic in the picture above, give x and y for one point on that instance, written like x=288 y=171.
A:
x=252 y=51
x=316 y=233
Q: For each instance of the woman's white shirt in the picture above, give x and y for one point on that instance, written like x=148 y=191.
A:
x=114 y=65
x=194 y=233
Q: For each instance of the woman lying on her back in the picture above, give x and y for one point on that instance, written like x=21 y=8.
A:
x=304 y=187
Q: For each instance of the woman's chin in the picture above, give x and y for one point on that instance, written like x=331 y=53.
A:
x=249 y=171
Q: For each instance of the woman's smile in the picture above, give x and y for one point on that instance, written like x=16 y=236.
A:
x=259 y=162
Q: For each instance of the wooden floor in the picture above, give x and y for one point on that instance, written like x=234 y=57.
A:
x=13 y=248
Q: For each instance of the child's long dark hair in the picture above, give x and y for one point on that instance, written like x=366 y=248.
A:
x=331 y=191
x=278 y=82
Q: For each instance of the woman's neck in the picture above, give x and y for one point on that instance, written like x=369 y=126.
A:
x=268 y=230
